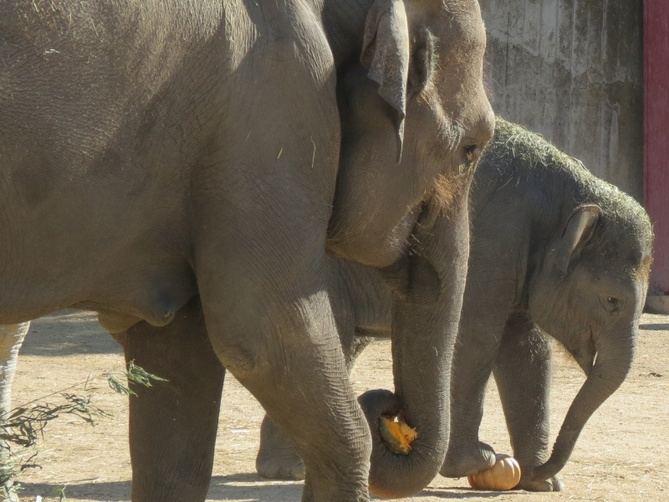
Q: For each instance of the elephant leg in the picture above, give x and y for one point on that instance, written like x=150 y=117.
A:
x=281 y=345
x=475 y=353
x=261 y=267
x=522 y=374
x=173 y=424
x=354 y=349
x=278 y=457
x=11 y=339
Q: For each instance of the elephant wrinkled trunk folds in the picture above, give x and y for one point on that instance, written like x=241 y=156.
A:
x=423 y=307
x=608 y=373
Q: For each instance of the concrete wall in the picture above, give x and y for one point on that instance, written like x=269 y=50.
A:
x=572 y=70
x=656 y=115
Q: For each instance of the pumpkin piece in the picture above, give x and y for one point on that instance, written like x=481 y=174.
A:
x=397 y=435
x=504 y=475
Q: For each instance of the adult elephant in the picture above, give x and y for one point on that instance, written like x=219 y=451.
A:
x=155 y=151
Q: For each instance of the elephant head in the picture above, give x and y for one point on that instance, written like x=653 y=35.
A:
x=588 y=291
x=415 y=118
x=414 y=113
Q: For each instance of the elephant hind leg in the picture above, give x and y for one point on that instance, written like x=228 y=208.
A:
x=277 y=457
x=173 y=424
x=11 y=339
x=522 y=374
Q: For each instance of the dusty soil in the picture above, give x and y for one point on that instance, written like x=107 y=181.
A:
x=620 y=457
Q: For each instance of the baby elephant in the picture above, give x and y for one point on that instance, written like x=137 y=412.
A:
x=555 y=250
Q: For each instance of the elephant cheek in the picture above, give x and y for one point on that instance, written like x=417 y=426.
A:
x=374 y=244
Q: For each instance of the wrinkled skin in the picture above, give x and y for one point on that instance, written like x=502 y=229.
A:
x=513 y=294
x=157 y=151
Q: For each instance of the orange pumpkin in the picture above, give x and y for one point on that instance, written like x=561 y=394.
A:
x=397 y=434
x=504 y=475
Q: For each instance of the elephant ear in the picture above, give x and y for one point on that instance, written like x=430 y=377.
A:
x=577 y=232
x=386 y=54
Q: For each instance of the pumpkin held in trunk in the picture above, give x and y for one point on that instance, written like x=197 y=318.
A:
x=397 y=434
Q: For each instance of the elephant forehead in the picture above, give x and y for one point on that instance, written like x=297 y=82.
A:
x=642 y=272
x=454 y=22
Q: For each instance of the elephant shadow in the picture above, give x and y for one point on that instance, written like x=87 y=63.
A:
x=246 y=486
x=243 y=486
x=654 y=326
x=68 y=332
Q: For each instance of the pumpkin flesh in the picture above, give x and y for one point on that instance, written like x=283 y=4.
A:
x=397 y=434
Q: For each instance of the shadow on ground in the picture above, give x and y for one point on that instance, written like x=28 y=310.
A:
x=111 y=491
x=67 y=333
x=655 y=327
x=233 y=487
x=246 y=486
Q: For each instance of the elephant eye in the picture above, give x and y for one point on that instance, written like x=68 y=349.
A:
x=612 y=303
x=472 y=153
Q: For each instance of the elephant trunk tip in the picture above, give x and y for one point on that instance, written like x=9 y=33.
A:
x=395 y=474
x=562 y=449
x=547 y=470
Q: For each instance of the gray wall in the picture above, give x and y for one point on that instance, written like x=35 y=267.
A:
x=572 y=70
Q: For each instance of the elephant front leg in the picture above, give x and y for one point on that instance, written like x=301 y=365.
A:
x=522 y=374
x=260 y=206
x=282 y=346
x=262 y=275
x=173 y=424
x=278 y=457
x=474 y=358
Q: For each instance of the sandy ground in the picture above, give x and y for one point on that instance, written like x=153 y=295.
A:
x=620 y=456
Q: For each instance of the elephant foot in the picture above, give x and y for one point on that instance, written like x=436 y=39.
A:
x=549 y=485
x=463 y=460
x=277 y=457
x=282 y=464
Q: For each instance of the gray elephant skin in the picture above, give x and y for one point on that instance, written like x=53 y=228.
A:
x=158 y=159
x=554 y=250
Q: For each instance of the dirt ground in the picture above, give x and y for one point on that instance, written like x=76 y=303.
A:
x=620 y=457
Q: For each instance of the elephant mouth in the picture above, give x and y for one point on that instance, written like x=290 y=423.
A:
x=591 y=351
x=586 y=354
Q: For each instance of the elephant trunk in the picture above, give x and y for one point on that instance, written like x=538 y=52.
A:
x=425 y=323
x=609 y=371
